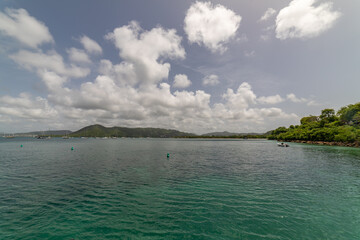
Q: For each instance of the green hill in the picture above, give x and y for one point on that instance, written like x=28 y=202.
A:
x=101 y=131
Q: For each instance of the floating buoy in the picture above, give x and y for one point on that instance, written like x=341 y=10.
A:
x=72 y=148
x=168 y=155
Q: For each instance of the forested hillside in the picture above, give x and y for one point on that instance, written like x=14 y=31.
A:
x=101 y=131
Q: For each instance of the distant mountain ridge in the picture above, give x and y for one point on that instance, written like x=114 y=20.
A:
x=228 y=134
x=98 y=130
x=101 y=131
x=45 y=133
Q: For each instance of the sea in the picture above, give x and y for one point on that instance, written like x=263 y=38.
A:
x=147 y=188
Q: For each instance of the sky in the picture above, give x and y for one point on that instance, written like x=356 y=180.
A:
x=195 y=66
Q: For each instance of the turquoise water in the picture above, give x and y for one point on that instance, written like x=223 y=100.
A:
x=129 y=189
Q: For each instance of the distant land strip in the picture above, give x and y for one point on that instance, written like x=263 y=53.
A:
x=341 y=128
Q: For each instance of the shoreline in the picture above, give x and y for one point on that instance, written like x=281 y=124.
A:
x=340 y=144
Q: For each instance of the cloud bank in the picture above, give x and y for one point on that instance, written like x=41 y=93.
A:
x=134 y=91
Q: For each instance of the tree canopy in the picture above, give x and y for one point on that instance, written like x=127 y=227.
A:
x=329 y=126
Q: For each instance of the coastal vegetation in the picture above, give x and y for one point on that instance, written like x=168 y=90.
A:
x=342 y=126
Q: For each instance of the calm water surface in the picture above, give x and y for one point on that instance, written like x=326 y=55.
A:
x=129 y=189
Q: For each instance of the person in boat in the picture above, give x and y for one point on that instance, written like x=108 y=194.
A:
x=283 y=144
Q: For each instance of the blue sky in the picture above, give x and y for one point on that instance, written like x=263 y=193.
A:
x=197 y=66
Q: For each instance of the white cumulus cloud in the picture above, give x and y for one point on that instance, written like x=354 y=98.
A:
x=181 y=81
x=78 y=55
x=268 y=14
x=143 y=49
x=48 y=61
x=17 y=23
x=90 y=45
x=292 y=97
x=240 y=107
x=52 y=81
x=303 y=19
x=211 y=26
x=242 y=98
x=123 y=73
x=271 y=99
x=210 y=80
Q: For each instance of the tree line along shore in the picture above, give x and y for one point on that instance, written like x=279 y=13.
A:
x=341 y=128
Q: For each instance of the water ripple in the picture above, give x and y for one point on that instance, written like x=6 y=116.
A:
x=127 y=189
